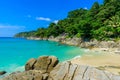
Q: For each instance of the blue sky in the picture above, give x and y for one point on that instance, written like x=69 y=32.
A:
x=26 y=15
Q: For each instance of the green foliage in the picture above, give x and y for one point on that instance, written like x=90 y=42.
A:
x=106 y=1
x=101 y=22
x=77 y=13
x=95 y=9
x=78 y=35
x=40 y=32
x=26 y=34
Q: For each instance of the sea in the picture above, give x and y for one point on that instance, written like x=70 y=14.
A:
x=15 y=52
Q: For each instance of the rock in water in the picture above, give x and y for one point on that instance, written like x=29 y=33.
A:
x=2 y=72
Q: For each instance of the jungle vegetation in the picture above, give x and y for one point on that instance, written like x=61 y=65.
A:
x=101 y=22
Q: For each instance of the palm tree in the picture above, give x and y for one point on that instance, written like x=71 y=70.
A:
x=114 y=24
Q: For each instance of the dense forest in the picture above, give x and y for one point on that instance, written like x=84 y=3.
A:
x=101 y=22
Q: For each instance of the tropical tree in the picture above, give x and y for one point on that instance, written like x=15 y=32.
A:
x=114 y=24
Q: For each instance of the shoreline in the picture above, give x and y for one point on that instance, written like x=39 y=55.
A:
x=104 y=55
x=100 y=60
x=105 y=46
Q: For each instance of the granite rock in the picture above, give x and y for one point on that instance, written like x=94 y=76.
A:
x=62 y=71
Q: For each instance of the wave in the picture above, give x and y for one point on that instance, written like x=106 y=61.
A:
x=77 y=57
x=12 y=68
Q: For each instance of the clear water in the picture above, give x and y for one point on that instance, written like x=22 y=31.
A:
x=14 y=52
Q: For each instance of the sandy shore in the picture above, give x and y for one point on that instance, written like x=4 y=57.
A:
x=102 y=59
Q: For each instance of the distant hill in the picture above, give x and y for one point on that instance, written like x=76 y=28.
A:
x=25 y=34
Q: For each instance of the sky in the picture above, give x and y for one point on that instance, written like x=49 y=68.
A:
x=27 y=15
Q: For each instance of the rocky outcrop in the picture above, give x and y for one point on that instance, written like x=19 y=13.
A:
x=90 y=44
x=102 y=45
x=43 y=63
x=69 y=71
x=81 y=43
x=70 y=41
x=27 y=75
x=2 y=72
x=38 y=69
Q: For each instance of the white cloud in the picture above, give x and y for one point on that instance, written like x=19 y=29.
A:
x=43 y=19
x=55 y=21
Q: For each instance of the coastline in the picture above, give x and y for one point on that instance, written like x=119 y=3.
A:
x=104 y=55
x=49 y=68
x=101 y=60
x=105 y=46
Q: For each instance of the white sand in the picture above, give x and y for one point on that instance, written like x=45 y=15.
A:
x=96 y=57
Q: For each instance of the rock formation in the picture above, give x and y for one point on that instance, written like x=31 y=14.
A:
x=44 y=64
x=69 y=71
x=47 y=68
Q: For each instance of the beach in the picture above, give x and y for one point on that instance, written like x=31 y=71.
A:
x=103 y=60
x=104 y=55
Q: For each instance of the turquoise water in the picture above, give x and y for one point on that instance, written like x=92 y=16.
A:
x=14 y=52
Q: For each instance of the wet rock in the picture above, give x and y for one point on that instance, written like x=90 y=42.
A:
x=2 y=72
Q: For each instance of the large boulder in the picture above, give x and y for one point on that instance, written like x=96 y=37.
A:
x=43 y=63
x=46 y=63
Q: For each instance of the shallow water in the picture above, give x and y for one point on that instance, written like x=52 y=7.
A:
x=14 y=52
